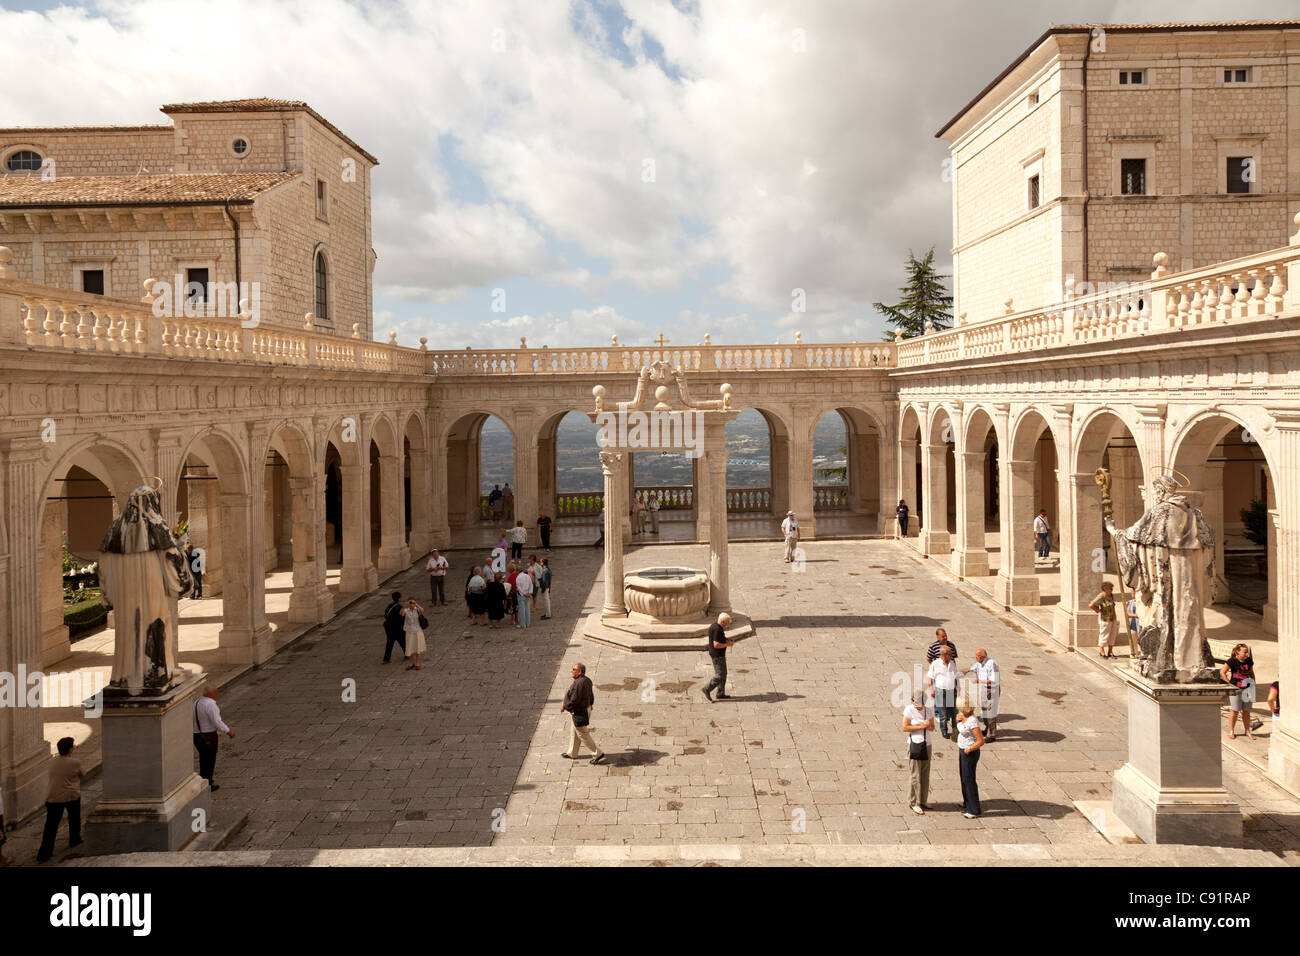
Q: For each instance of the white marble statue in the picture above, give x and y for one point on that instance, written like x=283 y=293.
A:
x=1167 y=559
x=142 y=571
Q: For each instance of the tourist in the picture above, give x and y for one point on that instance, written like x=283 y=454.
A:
x=600 y=542
x=508 y=501
x=988 y=678
x=638 y=516
x=717 y=648
x=653 y=509
x=1131 y=610
x=1043 y=535
x=544 y=588
x=1239 y=671
x=1107 y=623
x=969 y=741
x=64 y=794
x=437 y=568
x=476 y=593
x=942 y=678
x=1274 y=707
x=940 y=640
x=901 y=513
x=544 y=529
x=207 y=725
x=197 y=562
x=524 y=599
x=790 y=530
x=534 y=571
x=413 y=624
x=512 y=594
x=579 y=700
x=918 y=721
x=494 y=502
x=394 y=632
x=495 y=595
x=518 y=538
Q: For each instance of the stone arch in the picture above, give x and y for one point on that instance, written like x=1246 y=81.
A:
x=869 y=478
x=911 y=483
x=460 y=437
x=1097 y=430
x=417 y=483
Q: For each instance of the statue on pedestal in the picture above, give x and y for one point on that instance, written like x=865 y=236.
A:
x=142 y=572
x=1167 y=559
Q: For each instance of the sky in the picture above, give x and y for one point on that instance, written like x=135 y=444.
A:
x=569 y=171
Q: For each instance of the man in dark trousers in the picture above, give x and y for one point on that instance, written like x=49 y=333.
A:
x=718 y=644
x=64 y=794
x=544 y=526
x=394 y=626
x=579 y=699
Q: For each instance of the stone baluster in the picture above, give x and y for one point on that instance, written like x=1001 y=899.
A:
x=1240 y=307
x=1195 y=311
x=1276 y=289
x=31 y=328
x=1224 y=311
x=51 y=325
x=1259 y=291
x=83 y=339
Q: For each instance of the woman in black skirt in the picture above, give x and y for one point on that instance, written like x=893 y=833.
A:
x=496 y=601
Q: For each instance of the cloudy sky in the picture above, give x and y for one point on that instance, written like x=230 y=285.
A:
x=566 y=170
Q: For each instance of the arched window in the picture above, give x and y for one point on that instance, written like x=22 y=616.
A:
x=23 y=160
x=322 y=287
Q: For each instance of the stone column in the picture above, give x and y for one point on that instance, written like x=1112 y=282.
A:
x=1126 y=485
x=310 y=602
x=440 y=505
x=547 y=488
x=1017 y=583
x=168 y=445
x=907 y=449
x=865 y=477
x=1212 y=506
x=394 y=555
x=612 y=464
x=1284 y=744
x=801 y=477
x=23 y=750
x=1273 y=527
x=934 y=469
x=887 y=472
x=779 y=475
x=630 y=467
x=1150 y=439
x=55 y=645
x=245 y=636
x=358 y=574
x=461 y=483
x=1081 y=553
x=970 y=558
x=700 y=494
x=421 y=480
x=525 y=456
x=719 y=572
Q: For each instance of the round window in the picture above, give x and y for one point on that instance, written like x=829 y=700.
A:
x=23 y=160
x=239 y=147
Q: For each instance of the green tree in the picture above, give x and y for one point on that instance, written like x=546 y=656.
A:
x=925 y=297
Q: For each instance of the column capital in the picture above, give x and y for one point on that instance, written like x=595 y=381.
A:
x=1019 y=464
x=1152 y=414
x=1062 y=409
x=1286 y=419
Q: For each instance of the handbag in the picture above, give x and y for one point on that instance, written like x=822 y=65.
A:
x=1248 y=691
x=424 y=622
x=581 y=717
x=917 y=750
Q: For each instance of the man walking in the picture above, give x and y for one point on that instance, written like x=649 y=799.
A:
x=989 y=680
x=579 y=699
x=718 y=644
x=942 y=678
x=940 y=641
x=790 y=529
x=518 y=538
x=64 y=793
x=207 y=725
x=437 y=568
x=544 y=587
x=653 y=508
x=1043 y=535
x=544 y=528
x=394 y=626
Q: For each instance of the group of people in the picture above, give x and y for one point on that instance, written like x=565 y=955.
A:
x=645 y=511
x=500 y=588
x=971 y=720
x=501 y=502
x=1239 y=671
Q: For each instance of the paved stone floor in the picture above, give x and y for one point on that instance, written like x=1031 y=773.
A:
x=465 y=752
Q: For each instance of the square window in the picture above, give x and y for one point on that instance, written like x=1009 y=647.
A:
x=1034 y=197
x=1132 y=77
x=1237 y=75
x=1241 y=173
x=92 y=281
x=196 y=286
x=1133 y=177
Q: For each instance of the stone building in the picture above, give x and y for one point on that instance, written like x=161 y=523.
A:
x=1099 y=144
x=260 y=200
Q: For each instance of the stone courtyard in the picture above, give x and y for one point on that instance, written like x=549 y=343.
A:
x=807 y=752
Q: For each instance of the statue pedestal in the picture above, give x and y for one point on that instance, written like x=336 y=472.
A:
x=1171 y=789
x=153 y=799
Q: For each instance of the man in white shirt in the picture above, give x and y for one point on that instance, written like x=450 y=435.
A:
x=986 y=674
x=653 y=508
x=518 y=538
x=638 y=516
x=1043 y=535
x=524 y=587
x=942 y=678
x=790 y=529
x=918 y=721
x=207 y=725
x=437 y=568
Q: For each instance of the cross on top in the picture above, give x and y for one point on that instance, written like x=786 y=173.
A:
x=661 y=341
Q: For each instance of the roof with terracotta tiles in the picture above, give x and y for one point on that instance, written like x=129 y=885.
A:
x=1184 y=27
x=170 y=189
x=263 y=104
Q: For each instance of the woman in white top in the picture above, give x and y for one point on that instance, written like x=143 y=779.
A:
x=969 y=741
x=414 y=634
x=918 y=721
